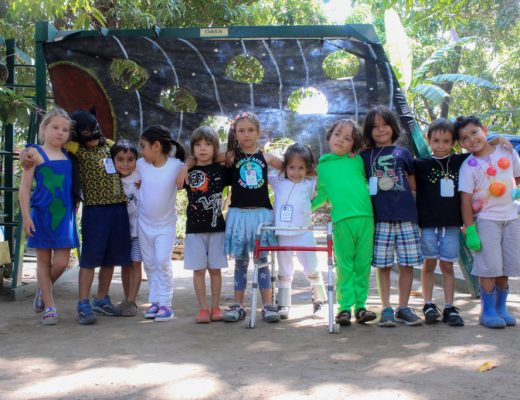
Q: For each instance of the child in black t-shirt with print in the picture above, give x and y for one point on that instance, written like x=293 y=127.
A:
x=205 y=226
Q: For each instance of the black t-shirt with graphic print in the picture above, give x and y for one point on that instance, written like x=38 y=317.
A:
x=249 y=182
x=434 y=210
x=204 y=189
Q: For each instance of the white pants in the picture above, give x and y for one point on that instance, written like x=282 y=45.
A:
x=307 y=259
x=156 y=249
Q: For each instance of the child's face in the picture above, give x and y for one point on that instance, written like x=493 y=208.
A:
x=147 y=151
x=124 y=162
x=441 y=143
x=203 y=152
x=473 y=138
x=56 y=132
x=296 y=169
x=381 y=132
x=341 y=140
x=247 y=134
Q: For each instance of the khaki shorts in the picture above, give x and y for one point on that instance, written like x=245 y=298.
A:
x=500 y=254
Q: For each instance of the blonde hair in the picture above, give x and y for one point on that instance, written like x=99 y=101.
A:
x=49 y=115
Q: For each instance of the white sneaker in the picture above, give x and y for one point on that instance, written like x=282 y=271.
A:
x=283 y=311
x=270 y=314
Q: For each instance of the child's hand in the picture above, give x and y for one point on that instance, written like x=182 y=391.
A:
x=502 y=141
x=182 y=177
x=27 y=159
x=472 y=238
x=28 y=227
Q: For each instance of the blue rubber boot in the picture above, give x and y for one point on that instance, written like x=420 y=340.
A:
x=501 y=307
x=489 y=317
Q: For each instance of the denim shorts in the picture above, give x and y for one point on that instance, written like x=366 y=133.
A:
x=440 y=243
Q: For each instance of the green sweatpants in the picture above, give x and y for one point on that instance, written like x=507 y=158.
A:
x=353 y=247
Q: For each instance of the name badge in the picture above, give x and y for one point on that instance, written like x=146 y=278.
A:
x=286 y=213
x=372 y=185
x=109 y=166
x=251 y=179
x=447 y=187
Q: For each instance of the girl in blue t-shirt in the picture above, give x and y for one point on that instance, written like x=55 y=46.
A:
x=390 y=172
x=50 y=226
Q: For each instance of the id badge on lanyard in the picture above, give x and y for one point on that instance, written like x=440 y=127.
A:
x=372 y=185
x=251 y=179
x=286 y=213
x=109 y=166
x=447 y=187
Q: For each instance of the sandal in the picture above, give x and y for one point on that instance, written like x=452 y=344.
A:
x=203 y=316
x=343 y=318
x=363 y=315
x=50 y=316
x=216 y=314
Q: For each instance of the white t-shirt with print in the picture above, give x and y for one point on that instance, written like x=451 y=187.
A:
x=132 y=194
x=476 y=177
x=292 y=202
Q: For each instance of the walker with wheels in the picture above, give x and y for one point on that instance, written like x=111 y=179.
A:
x=251 y=321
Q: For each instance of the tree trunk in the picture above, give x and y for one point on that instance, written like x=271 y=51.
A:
x=448 y=86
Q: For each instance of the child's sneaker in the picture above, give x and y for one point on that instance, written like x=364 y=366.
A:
x=85 y=314
x=104 y=306
x=38 y=305
x=50 y=316
x=203 y=316
x=152 y=311
x=163 y=314
x=126 y=308
x=234 y=313
x=284 y=312
x=270 y=313
x=407 y=316
x=451 y=316
x=387 y=319
x=431 y=313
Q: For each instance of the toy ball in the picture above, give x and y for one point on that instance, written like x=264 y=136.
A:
x=476 y=206
x=491 y=171
x=497 y=189
x=504 y=163
x=472 y=162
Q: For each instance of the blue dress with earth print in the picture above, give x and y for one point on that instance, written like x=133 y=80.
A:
x=53 y=211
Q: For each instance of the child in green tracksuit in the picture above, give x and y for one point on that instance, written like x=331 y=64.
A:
x=342 y=182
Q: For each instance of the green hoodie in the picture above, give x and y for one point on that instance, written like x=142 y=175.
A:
x=342 y=182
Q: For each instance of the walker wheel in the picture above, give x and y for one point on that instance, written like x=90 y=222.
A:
x=249 y=324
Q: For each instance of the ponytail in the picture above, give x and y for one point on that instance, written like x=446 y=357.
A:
x=180 y=153
x=161 y=134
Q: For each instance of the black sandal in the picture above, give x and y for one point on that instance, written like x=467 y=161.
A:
x=343 y=318
x=363 y=315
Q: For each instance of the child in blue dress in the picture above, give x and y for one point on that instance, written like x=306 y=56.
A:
x=49 y=218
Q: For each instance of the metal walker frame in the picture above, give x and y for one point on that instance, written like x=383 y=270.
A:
x=251 y=321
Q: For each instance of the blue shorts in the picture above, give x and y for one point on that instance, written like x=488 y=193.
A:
x=440 y=243
x=400 y=236
x=105 y=232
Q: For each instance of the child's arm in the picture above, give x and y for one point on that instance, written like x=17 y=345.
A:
x=321 y=196
x=24 y=194
x=411 y=182
x=273 y=161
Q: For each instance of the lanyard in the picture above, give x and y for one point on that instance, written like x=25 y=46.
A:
x=444 y=173
x=373 y=161
x=289 y=196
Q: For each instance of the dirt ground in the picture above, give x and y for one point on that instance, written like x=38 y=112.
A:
x=130 y=358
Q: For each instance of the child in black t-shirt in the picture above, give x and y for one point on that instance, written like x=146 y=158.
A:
x=205 y=226
x=438 y=206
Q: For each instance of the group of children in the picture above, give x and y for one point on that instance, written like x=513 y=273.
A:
x=129 y=215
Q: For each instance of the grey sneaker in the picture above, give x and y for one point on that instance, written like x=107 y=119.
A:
x=407 y=316
x=387 y=318
x=431 y=313
x=234 y=313
x=270 y=313
x=284 y=312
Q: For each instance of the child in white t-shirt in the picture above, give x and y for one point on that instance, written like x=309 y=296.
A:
x=125 y=154
x=294 y=191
